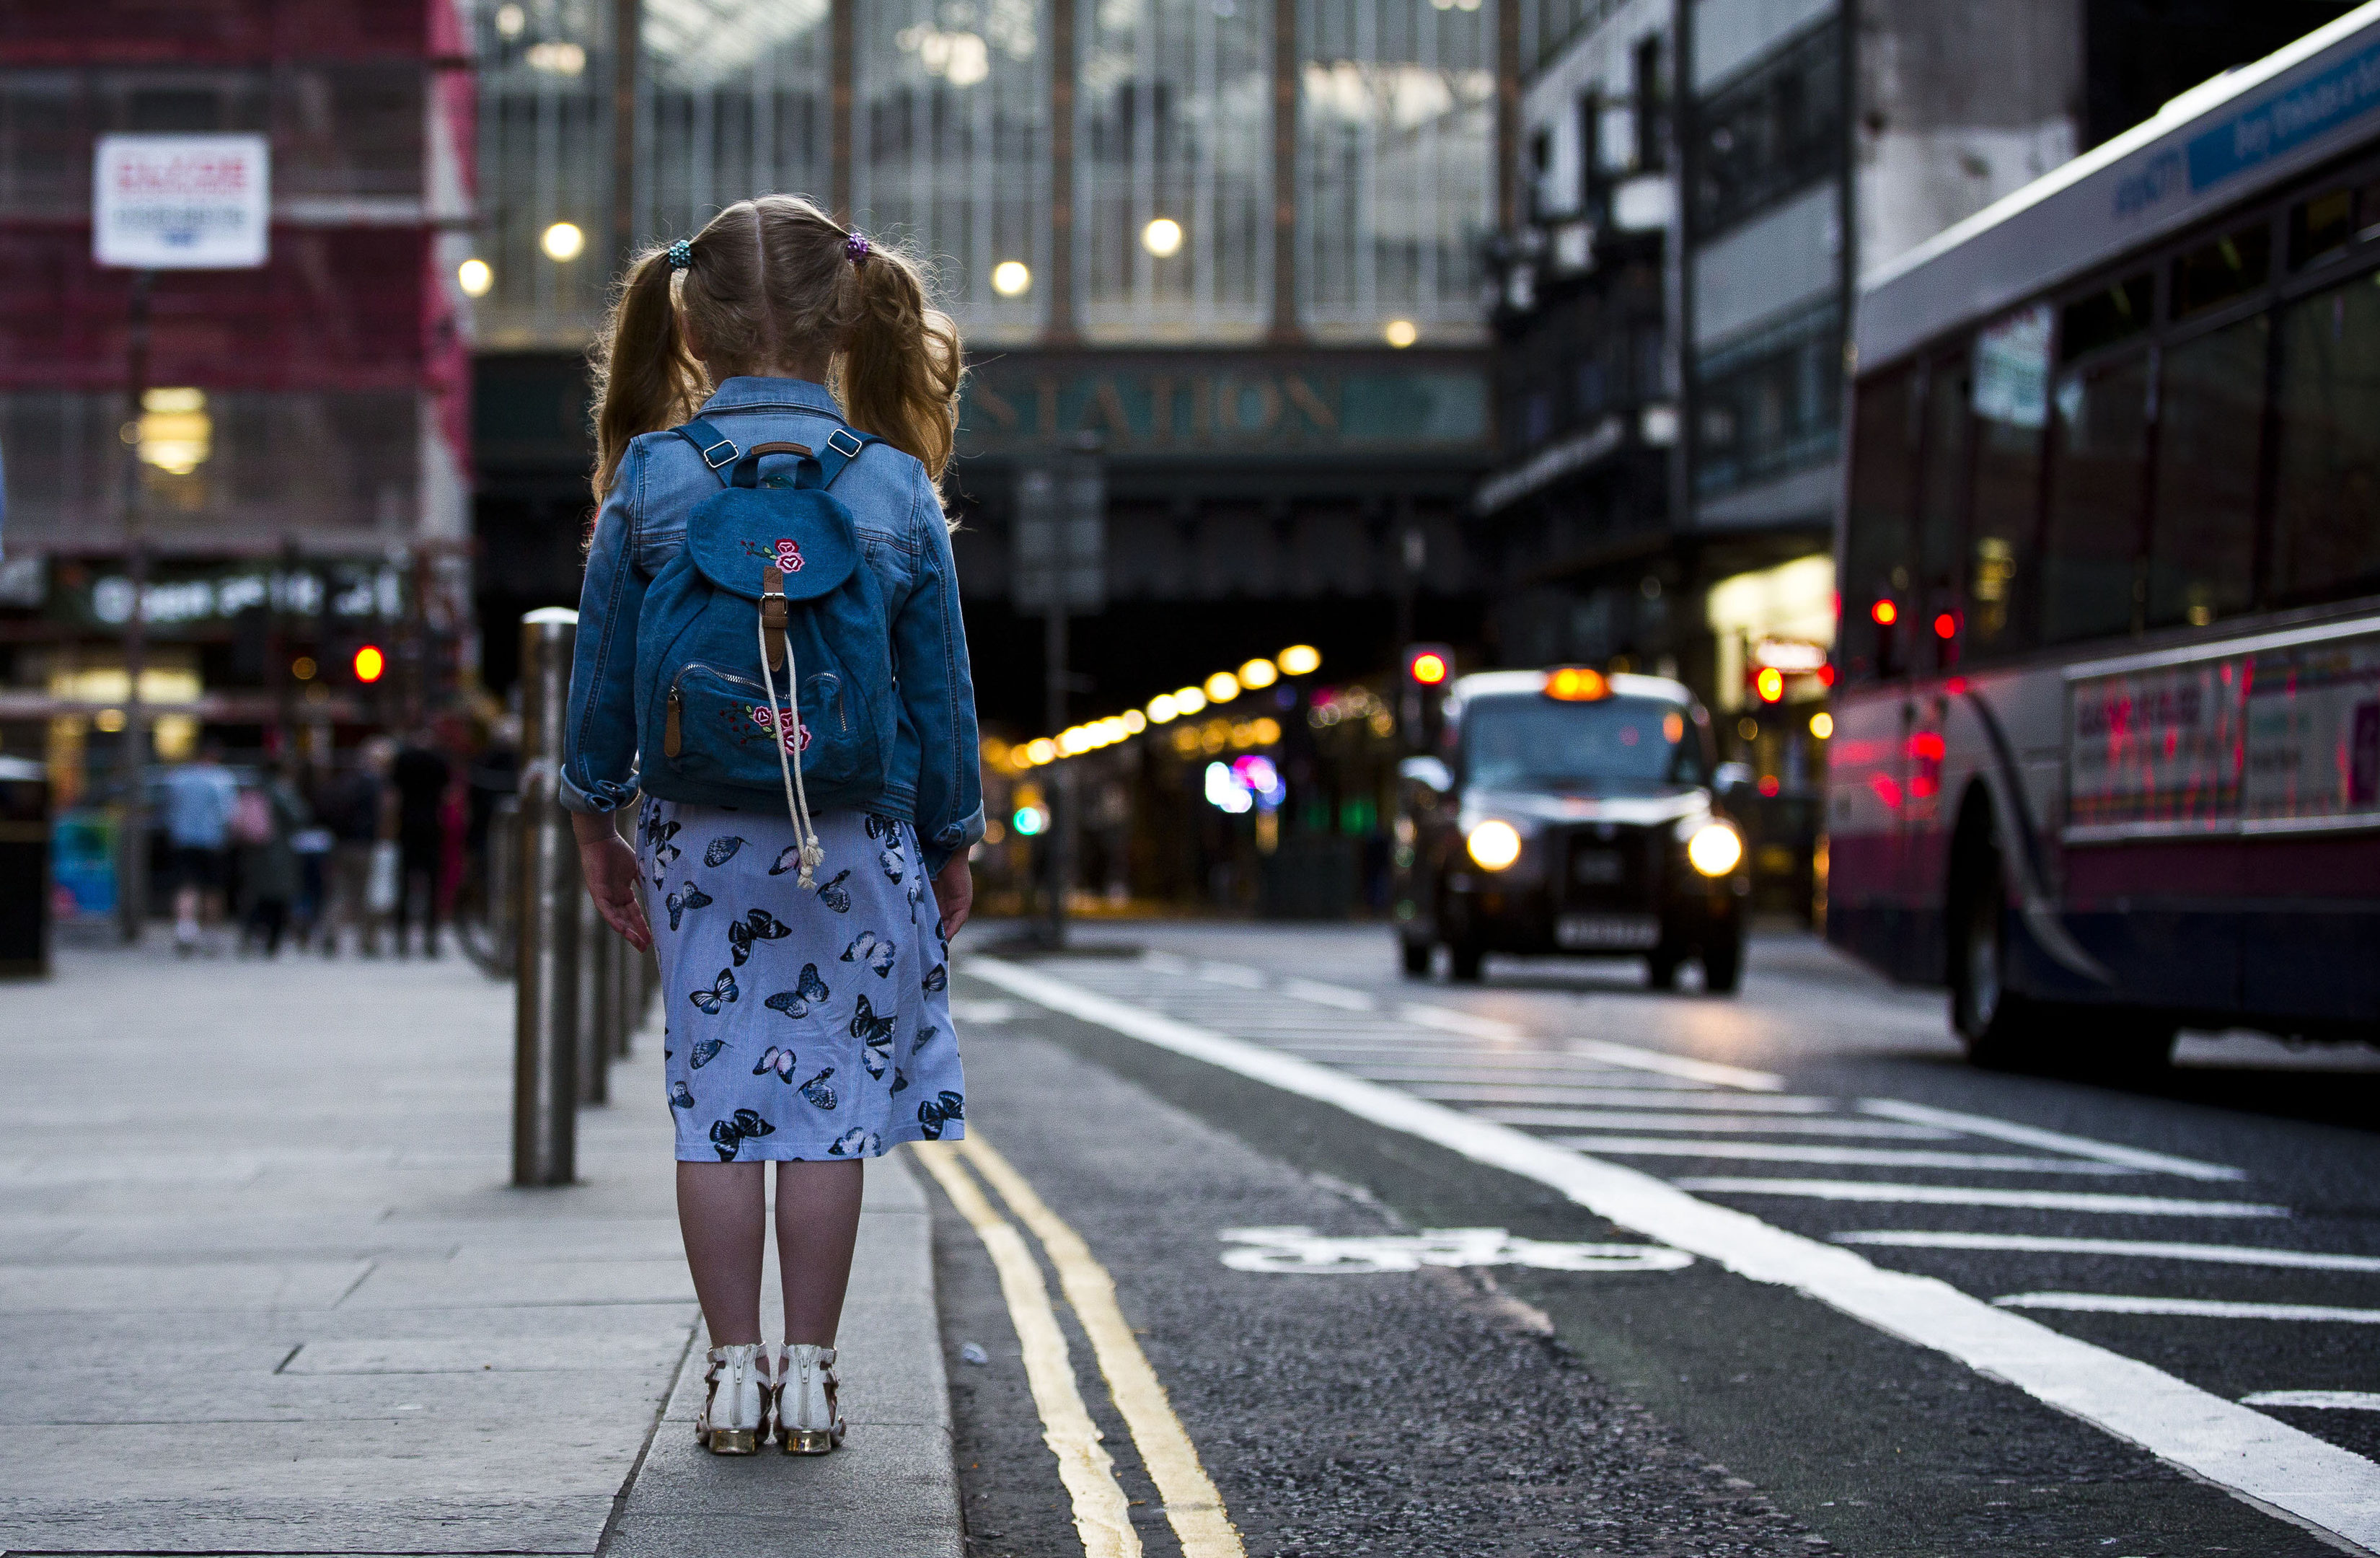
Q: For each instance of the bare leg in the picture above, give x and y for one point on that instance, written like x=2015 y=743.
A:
x=817 y=1223
x=722 y=1212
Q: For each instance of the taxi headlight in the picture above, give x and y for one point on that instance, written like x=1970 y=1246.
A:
x=1715 y=849
x=1495 y=845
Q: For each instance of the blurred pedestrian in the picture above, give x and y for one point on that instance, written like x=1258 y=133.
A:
x=268 y=859
x=200 y=797
x=773 y=299
x=353 y=806
x=422 y=774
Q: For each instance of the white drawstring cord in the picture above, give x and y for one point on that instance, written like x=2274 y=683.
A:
x=797 y=797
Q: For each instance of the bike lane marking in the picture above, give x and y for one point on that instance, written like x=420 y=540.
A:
x=2281 y=1469
x=1103 y=1513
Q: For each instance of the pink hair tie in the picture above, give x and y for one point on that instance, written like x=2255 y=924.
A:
x=857 y=249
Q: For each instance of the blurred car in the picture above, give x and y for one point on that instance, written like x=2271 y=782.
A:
x=1566 y=811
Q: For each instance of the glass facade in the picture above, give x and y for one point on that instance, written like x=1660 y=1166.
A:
x=1174 y=124
x=1397 y=114
x=950 y=147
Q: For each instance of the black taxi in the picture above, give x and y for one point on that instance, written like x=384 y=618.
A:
x=1568 y=812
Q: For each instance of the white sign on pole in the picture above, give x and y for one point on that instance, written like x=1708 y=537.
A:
x=181 y=202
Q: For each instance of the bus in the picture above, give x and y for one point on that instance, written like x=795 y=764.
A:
x=2107 y=750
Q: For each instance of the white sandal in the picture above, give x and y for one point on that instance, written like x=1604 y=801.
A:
x=807 y=1421
x=734 y=1416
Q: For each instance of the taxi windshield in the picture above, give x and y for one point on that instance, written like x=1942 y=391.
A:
x=1611 y=744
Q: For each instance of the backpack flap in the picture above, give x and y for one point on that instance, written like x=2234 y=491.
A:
x=801 y=534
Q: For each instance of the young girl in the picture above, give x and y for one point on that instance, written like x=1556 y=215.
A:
x=805 y=1028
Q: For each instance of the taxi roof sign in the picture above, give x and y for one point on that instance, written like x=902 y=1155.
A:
x=1577 y=684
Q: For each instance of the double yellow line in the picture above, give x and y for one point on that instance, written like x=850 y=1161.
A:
x=1103 y=1513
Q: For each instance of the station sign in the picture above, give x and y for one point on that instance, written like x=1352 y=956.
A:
x=1226 y=403
x=181 y=202
x=202 y=601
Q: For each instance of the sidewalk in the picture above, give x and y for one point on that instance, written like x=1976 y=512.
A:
x=263 y=1287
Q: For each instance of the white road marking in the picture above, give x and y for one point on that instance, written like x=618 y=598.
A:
x=1961 y=1194
x=1585 y=1101
x=1447 y=1019
x=1814 y=1153
x=1679 y=1065
x=1496 y=1092
x=2210 y=1308
x=2279 y=1468
x=1232 y=974
x=1330 y=995
x=1504 y=1068
x=1301 y=1251
x=2220 y=1254
x=1713 y=1123
x=2336 y=1401
x=987 y=1012
x=2057 y=1141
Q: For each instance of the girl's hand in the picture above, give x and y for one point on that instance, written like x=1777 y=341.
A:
x=610 y=872
x=955 y=892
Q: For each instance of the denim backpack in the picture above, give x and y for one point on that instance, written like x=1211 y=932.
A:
x=764 y=660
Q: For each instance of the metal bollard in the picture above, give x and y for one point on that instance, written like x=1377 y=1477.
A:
x=545 y=1015
x=595 y=942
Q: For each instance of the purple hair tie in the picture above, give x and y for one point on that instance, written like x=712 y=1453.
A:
x=857 y=249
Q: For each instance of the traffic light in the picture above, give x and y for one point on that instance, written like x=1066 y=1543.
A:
x=371 y=664
x=1428 y=665
x=1428 y=669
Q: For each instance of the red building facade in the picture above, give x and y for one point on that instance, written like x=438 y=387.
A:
x=312 y=414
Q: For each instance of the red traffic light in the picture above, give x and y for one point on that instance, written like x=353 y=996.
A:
x=369 y=663
x=1429 y=665
x=1885 y=614
x=1769 y=683
x=1945 y=626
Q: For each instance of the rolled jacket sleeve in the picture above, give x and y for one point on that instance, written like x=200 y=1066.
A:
x=598 y=743
x=938 y=691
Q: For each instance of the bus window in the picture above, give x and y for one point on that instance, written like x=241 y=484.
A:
x=1941 y=509
x=2099 y=458
x=1876 y=541
x=2321 y=227
x=2010 y=397
x=2216 y=271
x=2327 y=509
x=2203 y=535
x=2103 y=318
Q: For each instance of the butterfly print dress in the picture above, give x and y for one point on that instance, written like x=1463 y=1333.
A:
x=800 y=1025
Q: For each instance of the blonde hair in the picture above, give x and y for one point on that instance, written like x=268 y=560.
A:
x=771 y=283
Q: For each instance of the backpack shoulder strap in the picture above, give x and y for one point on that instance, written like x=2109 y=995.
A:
x=842 y=448
x=717 y=450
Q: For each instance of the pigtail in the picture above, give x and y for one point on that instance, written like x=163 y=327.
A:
x=644 y=378
x=901 y=368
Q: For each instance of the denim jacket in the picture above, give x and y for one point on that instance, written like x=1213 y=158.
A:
x=934 y=781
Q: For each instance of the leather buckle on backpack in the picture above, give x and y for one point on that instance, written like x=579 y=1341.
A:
x=727 y=443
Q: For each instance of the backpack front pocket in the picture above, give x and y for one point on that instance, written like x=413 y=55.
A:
x=719 y=725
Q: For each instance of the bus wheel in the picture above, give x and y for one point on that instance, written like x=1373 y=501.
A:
x=2000 y=1028
x=1417 y=958
x=1464 y=961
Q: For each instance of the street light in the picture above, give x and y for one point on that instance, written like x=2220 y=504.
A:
x=562 y=242
x=1299 y=659
x=1221 y=687
x=474 y=277
x=1400 y=334
x=1258 y=674
x=1163 y=238
x=1011 y=278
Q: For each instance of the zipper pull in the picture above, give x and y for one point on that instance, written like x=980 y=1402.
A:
x=673 y=726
